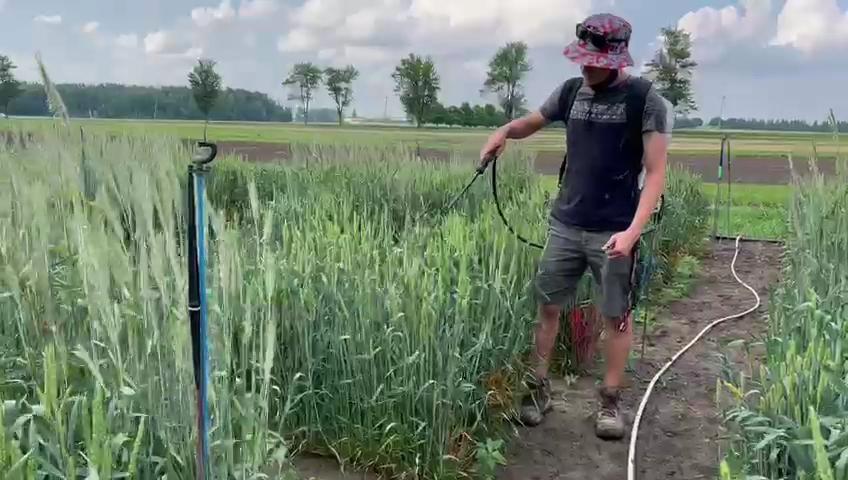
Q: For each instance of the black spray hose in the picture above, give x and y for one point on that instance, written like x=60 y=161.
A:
x=493 y=159
x=494 y=162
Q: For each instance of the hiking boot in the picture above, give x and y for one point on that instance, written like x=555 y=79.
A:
x=609 y=423
x=537 y=403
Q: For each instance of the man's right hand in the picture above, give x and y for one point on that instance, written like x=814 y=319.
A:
x=493 y=148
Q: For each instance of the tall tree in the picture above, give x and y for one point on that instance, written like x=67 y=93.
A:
x=507 y=69
x=672 y=68
x=305 y=77
x=418 y=85
x=9 y=86
x=206 y=86
x=339 y=84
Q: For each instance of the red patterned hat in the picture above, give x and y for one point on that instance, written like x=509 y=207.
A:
x=602 y=42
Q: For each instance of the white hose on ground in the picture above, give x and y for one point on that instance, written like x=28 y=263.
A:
x=631 y=458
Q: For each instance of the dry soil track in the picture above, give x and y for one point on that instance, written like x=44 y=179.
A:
x=764 y=171
x=680 y=428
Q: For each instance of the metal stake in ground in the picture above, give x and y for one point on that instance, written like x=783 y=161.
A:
x=719 y=177
x=197 y=306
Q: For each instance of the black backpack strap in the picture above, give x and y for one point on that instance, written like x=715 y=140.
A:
x=637 y=96
x=566 y=101
x=636 y=100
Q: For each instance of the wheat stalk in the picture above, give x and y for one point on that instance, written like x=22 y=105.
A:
x=54 y=99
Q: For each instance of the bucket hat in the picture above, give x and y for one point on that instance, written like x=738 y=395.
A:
x=602 y=41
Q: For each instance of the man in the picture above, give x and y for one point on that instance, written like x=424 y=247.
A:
x=599 y=215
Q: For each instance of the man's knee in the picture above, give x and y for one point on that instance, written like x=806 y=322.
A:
x=620 y=324
x=550 y=312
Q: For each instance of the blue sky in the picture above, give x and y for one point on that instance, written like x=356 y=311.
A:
x=770 y=58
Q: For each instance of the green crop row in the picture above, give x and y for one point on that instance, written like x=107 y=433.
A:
x=350 y=314
x=789 y=418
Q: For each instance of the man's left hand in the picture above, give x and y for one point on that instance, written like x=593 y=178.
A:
x=621 y=244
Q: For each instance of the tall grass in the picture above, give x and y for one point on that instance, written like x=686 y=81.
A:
x=95 y=341
x=349 y=313
x=790 y=417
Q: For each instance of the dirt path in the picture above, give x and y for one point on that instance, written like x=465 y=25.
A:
x=765 y=171
x=679 y=431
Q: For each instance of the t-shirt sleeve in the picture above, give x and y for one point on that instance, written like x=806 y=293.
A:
x=659 y=114
x=550 y=109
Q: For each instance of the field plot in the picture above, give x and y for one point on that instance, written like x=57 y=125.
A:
x=355 y=318
x=685 y=143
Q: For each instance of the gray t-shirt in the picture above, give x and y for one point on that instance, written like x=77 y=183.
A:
x=658 y=116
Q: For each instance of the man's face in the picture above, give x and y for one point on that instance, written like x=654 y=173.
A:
x=595 y=75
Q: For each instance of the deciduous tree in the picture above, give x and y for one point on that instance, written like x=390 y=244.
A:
x=507 y=70
x=418 y=84
x=10 y=87
x=305 y=78
x=339 y=83
x=206 y=86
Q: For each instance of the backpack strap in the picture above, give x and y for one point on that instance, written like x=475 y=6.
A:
x=566 y=102
x=636 y=99
x=635 y=103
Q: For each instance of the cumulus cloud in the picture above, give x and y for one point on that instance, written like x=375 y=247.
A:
x=48 y=19
x=168 y=43
x=747 y=20
x=127 y=40
x=364 y=28
x=297 y=40
x=537 y=22
x=90 y=27
x=812 y=25
x=257 y=8
x=714 y=31
x=205 y=16
x=752 y=33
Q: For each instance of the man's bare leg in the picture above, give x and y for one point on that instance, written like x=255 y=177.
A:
x=610 y=423
x=546 y=333
x=538 y=402
x=617 y=350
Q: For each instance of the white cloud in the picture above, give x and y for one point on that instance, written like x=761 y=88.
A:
x=167 y=43
x=715 y=32
x=48 y=19
x=537 y=22
x=748 y=20
x=321 y=13
x=811 y=25
x=257 y=8
x=361 y=29
x=205 y=16
x=297 y=40
x=127 y=40
x=90 y=27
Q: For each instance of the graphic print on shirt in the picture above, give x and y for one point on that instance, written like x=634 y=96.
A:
x=588 y=110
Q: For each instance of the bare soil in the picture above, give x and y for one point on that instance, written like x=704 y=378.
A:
x=764 y=171
x=680 y=432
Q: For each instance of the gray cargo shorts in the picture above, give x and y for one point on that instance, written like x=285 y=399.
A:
x=568 y=252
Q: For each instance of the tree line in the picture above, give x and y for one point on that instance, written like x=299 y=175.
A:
x=171 y=103
x=777 y=125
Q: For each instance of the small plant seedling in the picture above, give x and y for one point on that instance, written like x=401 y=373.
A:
x=488 y=458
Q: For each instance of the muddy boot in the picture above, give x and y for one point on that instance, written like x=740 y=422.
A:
x=537 y=403
x=609 y=423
